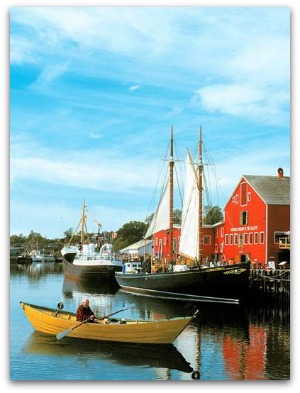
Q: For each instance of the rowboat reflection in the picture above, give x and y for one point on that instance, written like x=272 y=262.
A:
x=162 y=356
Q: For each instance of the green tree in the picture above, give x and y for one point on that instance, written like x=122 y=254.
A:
x=130 y=233
x=177 y=213
x=212 y=215
x=177 y=216
x=68 y=234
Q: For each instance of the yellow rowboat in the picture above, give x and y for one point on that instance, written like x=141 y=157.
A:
x=58 y=322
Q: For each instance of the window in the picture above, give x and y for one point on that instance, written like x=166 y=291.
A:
x=244 y=218
x=206 y=239
x=279 y=235
x=256 y=238
x=250 y=238
x=262 y=238
x=236 y=198
x=249 y=196
x=233 y=199
x=231 y=239
x=175 y=244
x=243 y=190
x=240 y=240
x=245 y=238
x=236 y=238
x=226 y=239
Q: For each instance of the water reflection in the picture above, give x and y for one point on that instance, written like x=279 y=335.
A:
x=89 y=287
x=36 y=270
x=224 y=342
x=162 y=356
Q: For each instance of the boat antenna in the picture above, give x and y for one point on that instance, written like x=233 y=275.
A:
x=200 y=174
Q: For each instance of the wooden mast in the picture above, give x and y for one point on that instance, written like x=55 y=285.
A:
x=171 y=198
x=83 y=218
x=200 y=173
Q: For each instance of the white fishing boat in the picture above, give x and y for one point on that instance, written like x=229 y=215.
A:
x=41 y=256
x=87 y=263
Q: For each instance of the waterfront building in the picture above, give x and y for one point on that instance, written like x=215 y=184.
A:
x=257 y=221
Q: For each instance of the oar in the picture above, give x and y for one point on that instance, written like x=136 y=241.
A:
x=116 y=312
x=61 y=335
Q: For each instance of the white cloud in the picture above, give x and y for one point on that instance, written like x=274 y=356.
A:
x=245 y=100
x=133 y=88
x=100 y=170
x=21 y=50
x=49 y=74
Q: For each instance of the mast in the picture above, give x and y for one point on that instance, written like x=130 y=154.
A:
x=171 y=196
x=83 y=218
x=200 y=173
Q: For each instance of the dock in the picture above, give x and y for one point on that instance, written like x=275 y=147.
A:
x=275 y=282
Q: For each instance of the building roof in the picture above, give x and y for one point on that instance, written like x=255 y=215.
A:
x=272 y=189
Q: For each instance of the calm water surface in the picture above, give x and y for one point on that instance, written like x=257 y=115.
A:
x=224 y=342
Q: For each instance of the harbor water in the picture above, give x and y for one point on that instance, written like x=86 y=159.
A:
x=225 y=342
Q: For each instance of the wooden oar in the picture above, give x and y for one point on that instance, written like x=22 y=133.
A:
x=63 y=334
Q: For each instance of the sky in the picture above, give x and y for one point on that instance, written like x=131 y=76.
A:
x=95 y=91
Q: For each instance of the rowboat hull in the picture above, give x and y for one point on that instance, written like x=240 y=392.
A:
x=53 y=322
x=228 y=281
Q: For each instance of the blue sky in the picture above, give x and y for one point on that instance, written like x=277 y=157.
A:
x=94 y=92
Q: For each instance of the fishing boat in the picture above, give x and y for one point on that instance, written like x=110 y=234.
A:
x=193 y=278
x=41 y=256
x=63 y=323
x=84 y=262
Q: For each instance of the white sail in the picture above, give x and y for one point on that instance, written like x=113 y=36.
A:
x=189 y=225
x=161 y=218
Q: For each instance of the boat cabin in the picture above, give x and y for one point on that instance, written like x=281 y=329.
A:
x=132 y=267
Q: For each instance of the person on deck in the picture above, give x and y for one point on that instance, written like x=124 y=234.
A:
x=84 y=312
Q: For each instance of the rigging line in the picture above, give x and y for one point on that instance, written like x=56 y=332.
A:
x=161 y=167
x=179 y=173
x=93 y=218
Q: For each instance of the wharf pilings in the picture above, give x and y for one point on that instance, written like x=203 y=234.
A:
x=270 y=283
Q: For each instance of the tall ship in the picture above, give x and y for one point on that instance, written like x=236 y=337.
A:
x=188 y=275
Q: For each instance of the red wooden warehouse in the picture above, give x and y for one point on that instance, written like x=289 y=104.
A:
x=257 y=220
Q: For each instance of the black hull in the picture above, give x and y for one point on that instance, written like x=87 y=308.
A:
x=90 y=272
x=224 y=281
x=70 y=256
x=24 y=260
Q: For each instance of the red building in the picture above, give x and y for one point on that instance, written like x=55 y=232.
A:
x=161 y=247
x=256 y=225
x=161 y=244
x=257 y=220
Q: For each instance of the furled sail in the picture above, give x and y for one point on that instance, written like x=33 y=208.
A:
x=189 y=225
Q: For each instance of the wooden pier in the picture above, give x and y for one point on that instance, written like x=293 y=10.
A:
x=275 y=282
